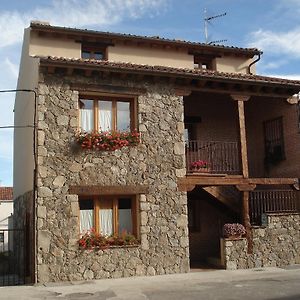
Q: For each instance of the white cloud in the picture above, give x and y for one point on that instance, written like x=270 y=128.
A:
x=284 y=43
x=13 y=68
x=76 y=13
x=286 y=76
x=273 y=64
x=6 y=144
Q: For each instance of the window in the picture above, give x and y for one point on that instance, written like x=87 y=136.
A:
x=201 y=62
x=274 y=142
x=298 y=105
x=1 y=237
x=108 y=215
x=106 y=114
x=93 y=52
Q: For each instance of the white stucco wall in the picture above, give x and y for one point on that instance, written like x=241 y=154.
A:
x=150 y=56
x=6 y=209
x=24 y=114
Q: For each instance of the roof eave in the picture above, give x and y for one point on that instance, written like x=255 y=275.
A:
x=287 y=88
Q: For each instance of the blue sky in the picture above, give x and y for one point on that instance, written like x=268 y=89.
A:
x=270 y=25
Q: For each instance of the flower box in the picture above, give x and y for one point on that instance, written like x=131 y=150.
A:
x=200 y=166
x=92 y=240
x=108 y=140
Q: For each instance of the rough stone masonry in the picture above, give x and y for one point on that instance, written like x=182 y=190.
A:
x=156 y=162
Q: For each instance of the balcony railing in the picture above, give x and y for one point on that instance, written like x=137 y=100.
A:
x=216 y=157
x=273 y=201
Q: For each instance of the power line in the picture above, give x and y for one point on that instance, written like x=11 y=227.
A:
x=24 y=126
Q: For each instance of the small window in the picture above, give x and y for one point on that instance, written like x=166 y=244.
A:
x=202 y=63
x=93 y=52
x=106 y=114
x=108 y=215
x=274 y=141
x=1 y=237
x=298 y=105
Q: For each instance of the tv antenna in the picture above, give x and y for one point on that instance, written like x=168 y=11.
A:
x=206 y=22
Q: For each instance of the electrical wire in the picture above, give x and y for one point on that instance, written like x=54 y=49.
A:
x=8 y=127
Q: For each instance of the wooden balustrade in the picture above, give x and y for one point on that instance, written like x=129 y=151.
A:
x=217 y=157
x=272 y=201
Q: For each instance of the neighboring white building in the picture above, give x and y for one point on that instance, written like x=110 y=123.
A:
x=6 y=211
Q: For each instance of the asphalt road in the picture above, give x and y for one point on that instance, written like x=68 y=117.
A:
x=258 y=284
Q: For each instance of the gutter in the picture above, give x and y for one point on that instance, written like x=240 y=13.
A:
x=254 y=62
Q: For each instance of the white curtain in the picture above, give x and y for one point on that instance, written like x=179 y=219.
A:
x=123 y=116
x=106 y=221
x=105 y=115
x=86 y=220
x=86 y=115
x=125 y=220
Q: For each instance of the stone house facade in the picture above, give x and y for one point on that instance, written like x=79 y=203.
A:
x=86 y=82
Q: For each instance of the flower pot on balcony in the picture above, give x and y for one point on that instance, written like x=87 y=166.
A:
x=201 y=170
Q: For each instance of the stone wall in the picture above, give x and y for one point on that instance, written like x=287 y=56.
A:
x=157 y=162
x=277 y=244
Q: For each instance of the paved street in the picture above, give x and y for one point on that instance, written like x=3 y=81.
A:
x=258 y=284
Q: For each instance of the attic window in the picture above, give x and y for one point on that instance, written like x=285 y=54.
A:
x=203 y=63
x=93 y=52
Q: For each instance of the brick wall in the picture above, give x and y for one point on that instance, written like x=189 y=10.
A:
x=219 y=116
x=259 y=110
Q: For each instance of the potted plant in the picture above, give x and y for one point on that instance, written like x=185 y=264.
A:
x=107 y=140
x=200 y=166
x=93 y=240
x=233 y=230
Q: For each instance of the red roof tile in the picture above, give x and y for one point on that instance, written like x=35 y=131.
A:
x=6 y=193
x=185 y=72
x=44 y=26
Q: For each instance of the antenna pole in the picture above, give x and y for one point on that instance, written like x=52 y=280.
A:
x=206 y=21
x=205 y=26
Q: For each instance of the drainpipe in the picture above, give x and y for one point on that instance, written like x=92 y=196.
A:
x=254 y=62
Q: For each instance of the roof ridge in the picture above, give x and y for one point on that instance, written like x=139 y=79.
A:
x=47 y=26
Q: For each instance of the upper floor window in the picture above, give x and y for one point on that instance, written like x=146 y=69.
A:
x=298 y=104
x=93 y=52
x=201 y=62
x=106 y=114
x=108 y=215
x=274 y=140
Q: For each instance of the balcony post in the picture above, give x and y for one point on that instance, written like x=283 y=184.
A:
x=243 y=140
x=244 y=155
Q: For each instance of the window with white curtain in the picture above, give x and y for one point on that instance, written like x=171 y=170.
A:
x=103 y=113
x=86 y=115
x=108 y=215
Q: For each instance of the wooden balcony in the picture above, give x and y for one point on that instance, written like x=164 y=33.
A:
x=272 y=201
x=213 y=157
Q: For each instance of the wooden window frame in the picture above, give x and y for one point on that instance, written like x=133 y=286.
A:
x=114 y=99
x=104 y=202
x=298 y=115
x=93 y=50
x=200 y=61
x=279 y=125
